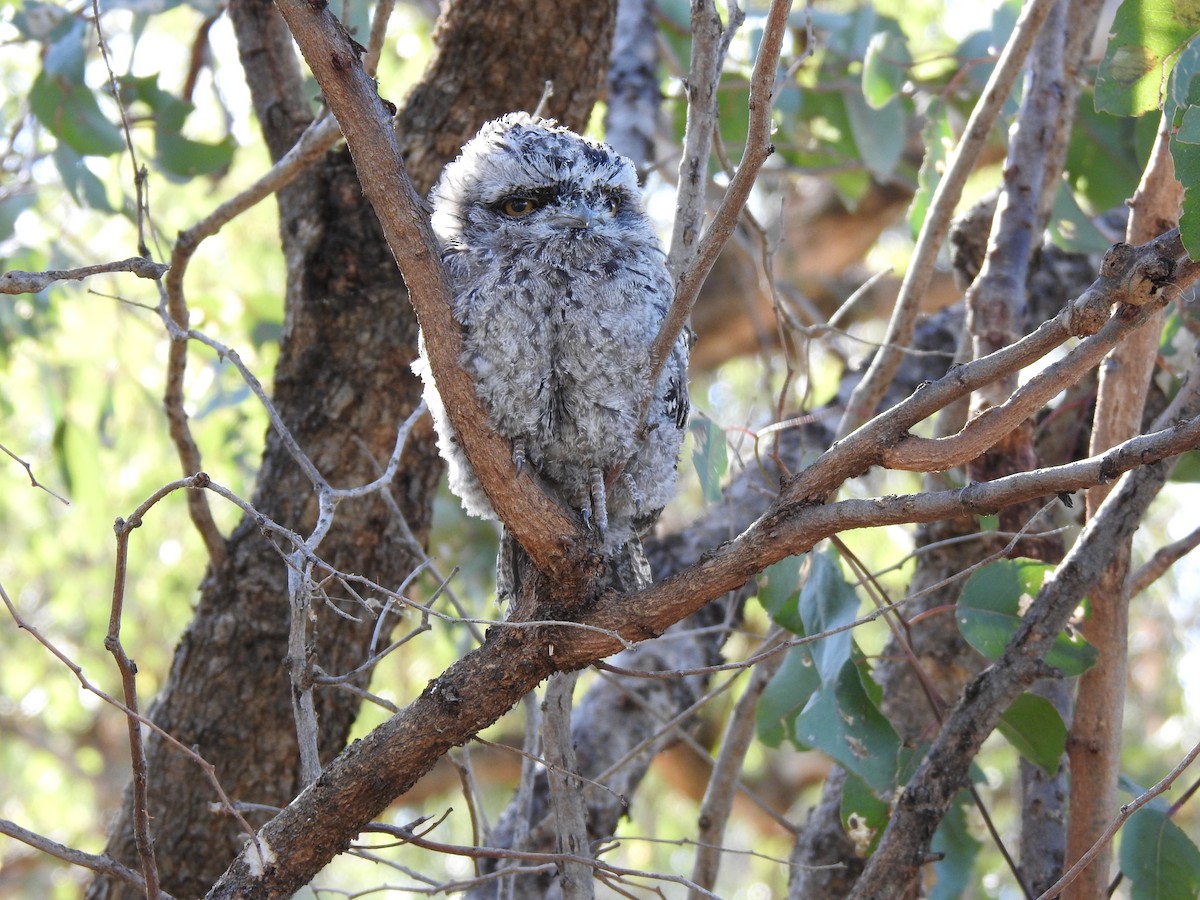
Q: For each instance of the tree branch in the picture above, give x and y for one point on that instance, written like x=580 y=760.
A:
x=15 y=281
x=866 y=395
x=543 y=525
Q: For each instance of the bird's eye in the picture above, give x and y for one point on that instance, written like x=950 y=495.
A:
x=612 y=203
x=518 y=207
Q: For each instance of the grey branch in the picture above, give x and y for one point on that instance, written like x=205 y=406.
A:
x=17 y=282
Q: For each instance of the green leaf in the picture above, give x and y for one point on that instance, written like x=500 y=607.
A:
x=843 y=722
x=785 y=695
x=66 y=55
x=1071 y=228
x=779 y=593
x=82 y=184
x=989 y=613
x=1104 y=161
x=885 y=68
x=1183 y=87
x=11 y=207
x=1035 y=728
x=878 y=134
x=1160 y=861
x=1187 y=468
x=1187 y=170
x=827 y=601
x=170 y=112
x=186 y=158
x=45 y=22
x=860 y=801
x=1146 y=35
x=824 y=139
x=70 y=112
x=959 y=848
x=709 y=456
x=937 y=137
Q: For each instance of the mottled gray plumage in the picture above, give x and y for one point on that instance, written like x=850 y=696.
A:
x=560 y=286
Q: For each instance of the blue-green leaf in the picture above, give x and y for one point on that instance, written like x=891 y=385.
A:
x=871 y=813
x=959 y=849
x=82 y=184
x=186 y=158
x=937 y=137
x=843 y=722
x=878 y=134
x=885 y=68
x=779 y=593
x=786 y=694
x=709 y=456
x=827 y=602
x=990 y=612
x=70 y=112
x=1159 y=859
x=1034 y=727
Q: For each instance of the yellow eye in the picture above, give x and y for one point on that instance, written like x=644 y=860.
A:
x=518 y=207
x=612 y=203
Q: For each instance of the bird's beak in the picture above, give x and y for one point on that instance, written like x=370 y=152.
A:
x=578 y=215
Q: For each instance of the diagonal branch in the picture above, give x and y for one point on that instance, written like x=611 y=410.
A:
x=542 y=525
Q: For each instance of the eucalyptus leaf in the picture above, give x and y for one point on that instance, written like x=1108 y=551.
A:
x=958 y=849
x=785 y=696
x=991 y=607
x=709 y=455
x=70 y=112
x=843 y=722
x=827 y=602
x=1159 y=859
x=1034 y=727
x=1146 y=35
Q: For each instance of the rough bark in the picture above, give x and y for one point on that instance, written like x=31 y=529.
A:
x=343 y=374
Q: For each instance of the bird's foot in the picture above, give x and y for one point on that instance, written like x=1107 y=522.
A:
x=518 y=455
x=592 y=499
x=635 y=492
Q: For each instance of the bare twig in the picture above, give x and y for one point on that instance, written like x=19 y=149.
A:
x=105 y=865
x=867 y=394
x=15 y=281
x=86 y=684
x=1160 y=562
x=32 y=479
x=710 y=43
x=722 y=782
x=758 y=149
x=1110 y=832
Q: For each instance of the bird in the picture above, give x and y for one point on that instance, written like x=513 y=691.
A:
x=560 y=287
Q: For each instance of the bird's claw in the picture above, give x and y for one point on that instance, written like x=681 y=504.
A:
x=592 y=502
x=599 y=500
x=518 y=455
x=635 y=493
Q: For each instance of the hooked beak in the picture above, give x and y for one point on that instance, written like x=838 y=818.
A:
x=578 y=215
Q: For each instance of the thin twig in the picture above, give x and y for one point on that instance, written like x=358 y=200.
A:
x=758 y=149
x=15 y=281
x=205 y=766
x=1155 y=567
x=32 y=479
x=1122 y=817
x=104 y=865
x=867 y=393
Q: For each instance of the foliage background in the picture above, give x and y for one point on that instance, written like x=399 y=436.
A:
x=83 y=370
